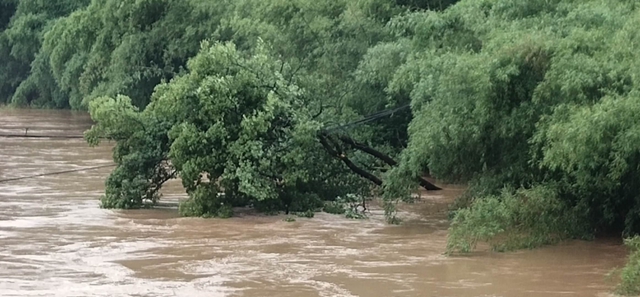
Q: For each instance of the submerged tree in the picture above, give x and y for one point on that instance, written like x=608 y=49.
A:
x=308 y=80
x=232 y=124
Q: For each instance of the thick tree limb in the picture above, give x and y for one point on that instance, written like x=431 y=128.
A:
x=319 y=112
x=385 y=158
x=427 y=185
x=340 y=155
x=367 y=149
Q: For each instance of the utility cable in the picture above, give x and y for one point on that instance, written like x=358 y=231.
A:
x=40 y=136
x=369 y=118
x=44 y=128
x=55 y=173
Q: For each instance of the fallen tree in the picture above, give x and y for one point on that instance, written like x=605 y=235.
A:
x=236 y=120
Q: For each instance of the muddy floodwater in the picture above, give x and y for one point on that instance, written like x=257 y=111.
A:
x=56 y=241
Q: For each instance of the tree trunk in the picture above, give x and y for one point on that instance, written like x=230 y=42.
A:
x=369 y=150
x=343 y=157
x=385 y=158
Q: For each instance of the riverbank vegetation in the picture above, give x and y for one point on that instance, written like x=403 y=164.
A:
x=534 y=104
x=630 y=286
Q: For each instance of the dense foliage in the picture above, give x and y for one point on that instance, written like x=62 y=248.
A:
x=23 y=25
x=532 y=95
x=235 y=124
x=630 y=285
x=259 y=146
x=516 y=219
x=535 y=104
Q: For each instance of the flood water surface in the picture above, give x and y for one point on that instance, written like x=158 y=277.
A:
x=56 y=241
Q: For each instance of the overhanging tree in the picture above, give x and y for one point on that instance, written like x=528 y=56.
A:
x=233 y=123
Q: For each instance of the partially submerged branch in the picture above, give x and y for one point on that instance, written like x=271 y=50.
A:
x=367 y=149
x=385 y=158
x=336 y=152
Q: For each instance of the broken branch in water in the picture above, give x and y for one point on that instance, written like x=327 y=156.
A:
x=385 y=158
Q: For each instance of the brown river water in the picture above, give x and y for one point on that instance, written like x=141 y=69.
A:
x=56 y=241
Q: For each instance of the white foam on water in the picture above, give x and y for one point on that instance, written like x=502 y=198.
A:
x=7 y=234
x=84 y=269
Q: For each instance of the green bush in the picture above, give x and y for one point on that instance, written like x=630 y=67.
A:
x=630 y=278
x=205 y=201
x=305 y=203
x=306 y=214
x=225 y=211
x=334 y=207
x=515 y=219
x=353 y=213
x=347 y=205
x=269 y=207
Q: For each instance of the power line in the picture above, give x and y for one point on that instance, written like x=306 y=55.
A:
x=43 y=128
x=369 y=118
x=40 y=136
x=55 y=173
